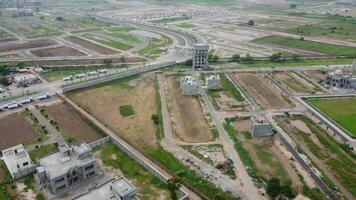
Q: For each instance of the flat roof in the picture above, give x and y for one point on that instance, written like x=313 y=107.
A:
x=104 y=191
x=16 y=156
x=58 y=164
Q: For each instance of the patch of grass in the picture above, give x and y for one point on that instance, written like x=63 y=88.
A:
x=197 y=154
x=344 y=115
x=152 y=50
x=113 y=44
x=112 y=156
x=267 y=158
x=42 y=151
x=29 y=182
x=214 y=94
x=121 y=29
x=246 y=134
x=331 y=49
x=127 y=37
x=54 y=75
x=160 y=130
x=126 y=110
x=189 y=177
x=230 y=88
x=185 y=25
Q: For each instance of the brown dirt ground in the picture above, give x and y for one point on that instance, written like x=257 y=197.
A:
x=294 y=83
x=27 y=45
x=13 y=55
x=315 y=74
x=104 y=102
x=263 y=91
x=58 y=51
x=242 y=125
x=92 y=46
x=15 y=129
x=189 y=123
x=72 y=123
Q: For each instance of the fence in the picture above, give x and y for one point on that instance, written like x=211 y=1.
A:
x=100 y=142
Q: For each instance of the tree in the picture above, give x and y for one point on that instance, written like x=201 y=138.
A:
x=251 y=22
x=293 y=6
x=235 y=57
x=302 y=38
x=107 y=62
x=215 y=58
x=275 y=57
x=155 y=118
x=42 y=17
x=173 y=185
x=247 y=58
x=60 y=18
x=4 y=81
x=189 y=62
x=273 y=187
x=122 y=59
x=287 y=190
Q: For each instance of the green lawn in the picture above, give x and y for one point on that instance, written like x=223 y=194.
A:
x=126 y=110
x=149 y=186
x=114 y=44
x=330 y=49
x=230 y=88
x=268 y=159
x=121 y=29
x=304 y=62
x=42 y=151
x=59 y=74
x=344 y=115
x=185 y=25
x=127 y=37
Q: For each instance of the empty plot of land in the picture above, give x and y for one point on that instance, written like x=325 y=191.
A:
x=294 y=83
x=189 y=123
x=315 y=74
x=27 y=45
x=57 y=52
x=262 y=90
x=104 y=102
x=90 y=45
x=72 y=123
x=15 y=129
x=8 y=40
x=344 y=115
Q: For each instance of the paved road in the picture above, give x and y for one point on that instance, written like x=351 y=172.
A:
x=50 y=129
x=248 y=186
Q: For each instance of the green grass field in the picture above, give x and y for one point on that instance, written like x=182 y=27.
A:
x=296 y=63
x=127 y=37
x=59 y=74
x=114 y=44
x=344 y=115
x=331 y=49
x=185 y=25
x=126 y=110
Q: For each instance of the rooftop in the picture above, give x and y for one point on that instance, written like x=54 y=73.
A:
x=15 y=158
x=59 y=163
x=106 y=191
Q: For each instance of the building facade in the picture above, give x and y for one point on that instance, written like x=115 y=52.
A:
x=17 y=161
x=213 y=82
x=261 y=129
x=341 y=80
x=200 y=56
x=70 y=166
x=189 y=86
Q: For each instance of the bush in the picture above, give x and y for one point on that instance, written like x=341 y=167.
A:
x=155 y=119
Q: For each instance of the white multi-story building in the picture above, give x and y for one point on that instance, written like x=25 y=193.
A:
x=17 y=161
x=70 y=166
x=200 y=57
x=213 y=82
x=189 y=86
x=340 y=80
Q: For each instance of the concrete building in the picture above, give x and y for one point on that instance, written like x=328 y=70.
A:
x=200 y=56
x=17 y=161
x=189 y=86
x=213 y=82
x=261 y=129
x=117 y=189
x=25 y=79
x=70 y=166
x=341 y=80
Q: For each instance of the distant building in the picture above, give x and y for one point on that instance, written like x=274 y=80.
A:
x=261 y=129
x=70 y=166
x=189 y=86
x=213 y=82
x=200 y=56
x=341 y=80
x=23 y=13
x=25 y=79
x=17 y=161
x=118 y=189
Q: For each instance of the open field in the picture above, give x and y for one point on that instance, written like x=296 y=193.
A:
x=344 y=115
x=104 y=102
x=111 y=43
x=72 y=123
x=15 y=129
x=316 y=75
x=304 y=62
x=92 y=46
x=292 y=82
x=27 y=45
x=8 y=40
x=57 y=52
x=153 y=49
x=185 y=25
x=269 y=160
x=116 y=162
x=54 y=75
x=329 y=49
x=185 y=110
x=262 y=90
x=324 y=152
x=124 y=36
